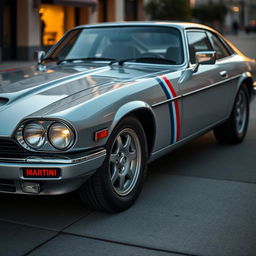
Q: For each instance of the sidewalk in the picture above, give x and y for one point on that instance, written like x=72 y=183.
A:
x=244 y=42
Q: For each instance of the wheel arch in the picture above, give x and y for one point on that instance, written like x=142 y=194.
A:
x=247 y=79
x=144 y=113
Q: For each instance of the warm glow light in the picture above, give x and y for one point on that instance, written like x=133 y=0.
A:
x=53 y=17
x=41 y=10
x=236 y=9
x=192 y=3
x=66 y=133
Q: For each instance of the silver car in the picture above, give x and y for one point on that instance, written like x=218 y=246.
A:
x=109 y=98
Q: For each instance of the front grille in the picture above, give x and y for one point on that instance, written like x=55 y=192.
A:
x=10 y=148
x=7 y=186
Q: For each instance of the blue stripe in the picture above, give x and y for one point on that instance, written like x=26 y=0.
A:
x=170 y=109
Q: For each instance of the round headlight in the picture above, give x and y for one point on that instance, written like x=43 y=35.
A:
x=34 y=135
x=60 y=136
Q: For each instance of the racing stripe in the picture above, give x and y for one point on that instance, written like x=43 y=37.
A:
x=170 y=109
x=176 y=103
x=173 y=107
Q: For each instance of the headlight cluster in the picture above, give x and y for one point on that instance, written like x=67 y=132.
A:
x=34 y=135
x=60 y=135
x=45 y=135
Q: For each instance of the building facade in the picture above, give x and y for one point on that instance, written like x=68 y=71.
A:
x=29 y=25
x=242 y=12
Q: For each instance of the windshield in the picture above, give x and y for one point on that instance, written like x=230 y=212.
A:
x=121 y=43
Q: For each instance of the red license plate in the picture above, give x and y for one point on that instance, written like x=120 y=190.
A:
x=41 y=172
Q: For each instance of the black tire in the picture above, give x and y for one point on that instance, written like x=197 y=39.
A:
x=117 y=184
x=234 y=129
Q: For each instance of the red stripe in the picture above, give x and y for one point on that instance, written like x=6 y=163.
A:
x=169 y=85
x=176 y=104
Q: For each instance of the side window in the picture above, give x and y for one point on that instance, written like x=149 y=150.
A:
x=197 y=41
x=219 y=47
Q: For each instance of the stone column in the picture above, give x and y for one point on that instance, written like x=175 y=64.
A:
x=28 y=29
x=93 y=15
x=141 y=14
x=119 y=10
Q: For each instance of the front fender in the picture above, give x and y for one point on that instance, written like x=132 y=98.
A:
x=128 y=108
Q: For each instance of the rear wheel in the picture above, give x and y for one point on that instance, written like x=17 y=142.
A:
x=234 y=129
x=117 y=184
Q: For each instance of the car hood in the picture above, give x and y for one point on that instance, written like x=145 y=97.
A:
x=36 y=91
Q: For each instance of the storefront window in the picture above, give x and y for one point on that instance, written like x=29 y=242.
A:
x=52 y=23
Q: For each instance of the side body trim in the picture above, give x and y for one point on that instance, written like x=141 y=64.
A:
x=195 y=91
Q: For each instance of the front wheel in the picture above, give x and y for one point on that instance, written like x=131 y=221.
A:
x=117 y=184
x=234 y=129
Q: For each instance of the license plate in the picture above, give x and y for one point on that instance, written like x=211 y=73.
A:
x=41 y=172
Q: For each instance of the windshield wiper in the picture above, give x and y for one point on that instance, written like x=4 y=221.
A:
x=155 y=60
x=87 y=59
x=51 y=58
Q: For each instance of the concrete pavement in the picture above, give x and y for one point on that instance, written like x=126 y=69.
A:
x=198 y=200
x=244 y=42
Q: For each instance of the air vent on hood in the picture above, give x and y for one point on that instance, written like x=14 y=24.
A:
x=3 y=101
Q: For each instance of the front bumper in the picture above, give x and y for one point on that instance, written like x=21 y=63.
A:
x=74 y=171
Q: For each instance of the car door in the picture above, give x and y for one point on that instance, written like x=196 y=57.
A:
x=228 y=66
x=204 y=92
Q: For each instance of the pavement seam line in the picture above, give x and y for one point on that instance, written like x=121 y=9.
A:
x=82 y=217
x=128 y=244
x=56 y=235
x=27 y=225
x=40 y=245
x=46 y=241
x=205 y=178
x=43 y=228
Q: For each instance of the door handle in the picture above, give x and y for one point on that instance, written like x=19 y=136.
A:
x=224 y=73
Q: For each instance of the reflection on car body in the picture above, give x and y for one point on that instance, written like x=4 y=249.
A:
x=109 y=98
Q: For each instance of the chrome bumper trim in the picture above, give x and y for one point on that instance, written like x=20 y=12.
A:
x=52 y=160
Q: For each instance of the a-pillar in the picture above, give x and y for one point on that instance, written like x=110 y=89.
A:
x=28 y=29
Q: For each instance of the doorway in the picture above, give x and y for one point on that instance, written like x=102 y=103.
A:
x=8 y=29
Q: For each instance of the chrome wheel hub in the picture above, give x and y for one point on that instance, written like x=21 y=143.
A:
x=125 y=162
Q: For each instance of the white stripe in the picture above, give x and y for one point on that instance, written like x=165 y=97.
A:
x=167 y=87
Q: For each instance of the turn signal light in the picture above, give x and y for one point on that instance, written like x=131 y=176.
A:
x=101 y=134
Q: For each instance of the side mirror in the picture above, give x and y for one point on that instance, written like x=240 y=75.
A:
x=205 y=58
x=38 y=56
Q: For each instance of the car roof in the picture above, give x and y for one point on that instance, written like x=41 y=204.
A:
x=181 y=25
